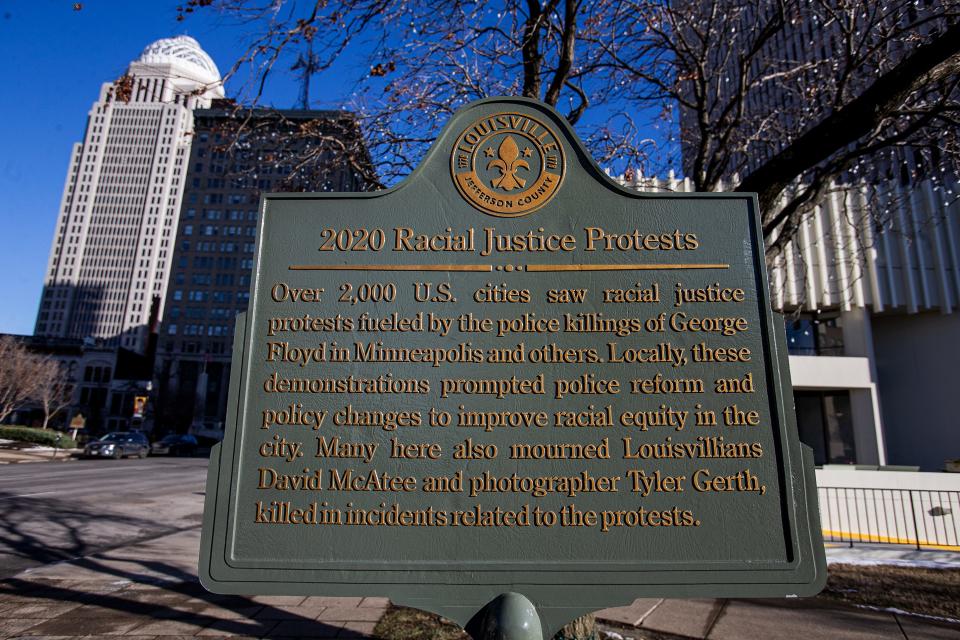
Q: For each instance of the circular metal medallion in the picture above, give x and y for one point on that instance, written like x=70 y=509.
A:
x=508 y=164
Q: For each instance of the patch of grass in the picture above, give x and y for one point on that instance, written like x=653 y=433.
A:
x=401 y=623
x=632 y=633
x=933 y=592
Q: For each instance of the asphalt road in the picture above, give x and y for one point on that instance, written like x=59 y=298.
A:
x=51 y=512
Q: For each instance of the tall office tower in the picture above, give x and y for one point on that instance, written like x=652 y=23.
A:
x=111 y=250
x=870 y=281
x=236 y=155
x=793 y=76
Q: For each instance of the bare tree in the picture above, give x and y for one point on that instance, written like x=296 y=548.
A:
x=789 y=95
x=54 y=388
x=793 y=95
x=20 y=376
x=423 y=59
x=304 y=154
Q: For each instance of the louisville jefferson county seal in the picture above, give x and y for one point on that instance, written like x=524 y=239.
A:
x=507 y=164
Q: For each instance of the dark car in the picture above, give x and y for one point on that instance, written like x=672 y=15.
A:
x=175 y=444
x=118 y=444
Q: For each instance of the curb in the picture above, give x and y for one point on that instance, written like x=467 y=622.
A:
x=69 y=458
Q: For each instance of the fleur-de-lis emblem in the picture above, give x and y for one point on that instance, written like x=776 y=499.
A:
x=508 y=162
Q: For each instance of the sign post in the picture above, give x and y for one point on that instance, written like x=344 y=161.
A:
x=509 y=379
x=77 y=423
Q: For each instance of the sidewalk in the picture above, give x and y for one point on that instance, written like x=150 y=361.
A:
x=808 y=618
x=150 y=591
x=12 y=455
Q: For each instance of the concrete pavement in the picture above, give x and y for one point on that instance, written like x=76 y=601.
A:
x=105 y=548
x=810 y=619
x=150 y=590
x=53 y=512
x=110 y=547
x=807 y=618
x=14 y=455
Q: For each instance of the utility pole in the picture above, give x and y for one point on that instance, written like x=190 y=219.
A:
x=308 y=64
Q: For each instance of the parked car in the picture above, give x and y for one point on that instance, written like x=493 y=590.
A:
x=175 y=444
x=118 y=444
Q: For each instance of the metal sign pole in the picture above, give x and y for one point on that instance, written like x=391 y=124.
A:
x=510 y=616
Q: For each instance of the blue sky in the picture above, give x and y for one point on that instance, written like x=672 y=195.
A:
x=54 y=61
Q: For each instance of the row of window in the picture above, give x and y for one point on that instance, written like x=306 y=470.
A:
x=201 y=312
x=217 y=214
x=211 y=230
x=814 y=334
x=219 y=279
x=211 y=262
x=202 y=295
x=201 y=329
x=224 y=247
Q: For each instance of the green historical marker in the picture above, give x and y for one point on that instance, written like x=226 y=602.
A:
x=510 y=375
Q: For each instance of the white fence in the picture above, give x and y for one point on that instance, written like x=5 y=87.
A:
x=922 y=518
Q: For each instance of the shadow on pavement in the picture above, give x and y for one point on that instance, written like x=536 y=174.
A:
x=52 y=530
x=162 y=600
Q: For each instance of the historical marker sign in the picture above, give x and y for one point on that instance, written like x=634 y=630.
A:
x=510 y=374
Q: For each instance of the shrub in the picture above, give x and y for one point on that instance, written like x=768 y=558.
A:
x=45 y=437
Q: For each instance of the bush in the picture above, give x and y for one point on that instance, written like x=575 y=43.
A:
x=45 y=437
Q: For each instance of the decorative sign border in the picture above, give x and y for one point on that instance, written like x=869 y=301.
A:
x=563 y=590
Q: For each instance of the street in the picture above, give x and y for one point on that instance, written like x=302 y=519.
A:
x=60 y=511
x=109 y=547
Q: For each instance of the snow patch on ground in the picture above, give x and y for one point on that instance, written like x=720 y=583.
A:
x=896 y=562
x=901 y=612
x=896 y=556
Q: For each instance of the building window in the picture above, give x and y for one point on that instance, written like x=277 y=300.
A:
x=825 y=424
x=814 y=334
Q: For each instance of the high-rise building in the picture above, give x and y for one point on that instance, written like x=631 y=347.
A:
x=763 y=88
x=113 y=243
x=236 y=155
x=869 y=283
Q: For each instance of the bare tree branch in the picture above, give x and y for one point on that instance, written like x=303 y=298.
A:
x=791 y=94
x=928 y=63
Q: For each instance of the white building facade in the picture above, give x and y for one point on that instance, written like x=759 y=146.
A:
x=113 y=243
x=869 y=284
x=869 y=288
